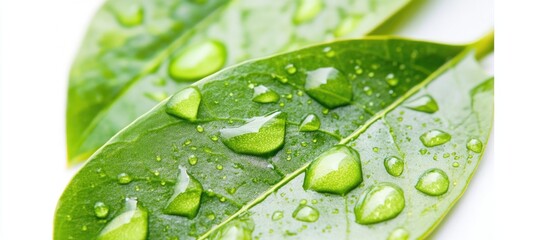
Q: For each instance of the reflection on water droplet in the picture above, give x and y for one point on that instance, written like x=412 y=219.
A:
x=394 y=165
x=434 y=138
x=379 y=203
x=474 y=145
x=306 y=213
x=185 y=103
x=264 y=95
x=198 y=61
x=310 y=123
x=185 y=200
x=259 y=136
x=425 y=104
x=307 y=10
x=237 y=229
x=124 y=178
x=329 y=87
x=277 y=215
x=399 y=234
x=101 y=210
x=337 y=171
x=132 y=223
x=433 y=182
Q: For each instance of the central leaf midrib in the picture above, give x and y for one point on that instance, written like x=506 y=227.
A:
x=345 y=140
x=162 y=55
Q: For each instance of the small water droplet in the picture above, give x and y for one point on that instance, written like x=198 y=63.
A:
x=185 y=103
x=198 y=61
x=391 y=80
x=237 y=229
x=199 y=129
x=124 y=178
x=329 y=87
x=337 y=171
x=259 y=136
x=101 y=210
x=399 y=234
x=425 y=104
x=192 y=160
x=455 y=164
x=328 y=52
x=474 y=145
x=307 y=10
x=127 y=13
x=290 y=69
x=310 y=123
x=434 y=138
x=306 y=213
x=185 y=200
x=132 y=223
x=219 y=167
x=433 y=182
x=368 y=90
x=214 y=138
x=277 y=215
x=375 y=149
x=423 y=151
x=379 y=203
x=263 y=94
x=394 y=165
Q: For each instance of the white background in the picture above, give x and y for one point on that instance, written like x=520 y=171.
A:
x=38 y=41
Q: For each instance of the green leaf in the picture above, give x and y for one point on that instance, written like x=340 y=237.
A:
x=253 y=194
x=136 y=52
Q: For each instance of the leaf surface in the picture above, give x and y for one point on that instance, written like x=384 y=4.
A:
x=260 y=192
x=136 y=53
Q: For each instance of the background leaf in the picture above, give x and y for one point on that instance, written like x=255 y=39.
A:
x=123 y=68
x=260 y=194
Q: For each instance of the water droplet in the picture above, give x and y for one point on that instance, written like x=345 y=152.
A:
x=379 y=203
x=425 y=104
x=132 y=223
x=391 y=80
x=423 y=151
x=127 y=13
x=434 y=138
x=277 y=215
x=219 y=167
x=307 y=10
x=368 y=90
x=455 y=164
x=290 y=69
x=394 y=166
x=264 y=95
x=337 y=171
x=310 y=123
x=399 y=234
x=329 y=87
x=433 y=182
x=474 y=145
x=124 y=178
x=306 y=213
x=375 y=149
x=259 y=136
x=199 y=129
x=101 y=210
x=185 y=103
x=329 y=52
x=237 y=229
x=185 y=200
x=198 y=61
x=347 y=25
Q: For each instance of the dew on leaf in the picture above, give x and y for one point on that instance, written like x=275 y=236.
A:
x=198 y=61
x=185 y=200
x=310 y=123
x=131 y=223
x=433 y=182
x=379 y=203
x=306 y=213
x=434 y=138
x=185 y=103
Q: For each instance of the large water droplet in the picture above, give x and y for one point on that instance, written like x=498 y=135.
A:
x=128 y=13
x=347 y=25
x=259 y=136
x=434 y=138
x=185 y=103
x=425 y=104
x=101 y=210
x=379 y=203
x=394 y=165
x=238 y=229
x=124 y=178
x=185 y=200
x=306 y=213
x=329 y=87
x=264 y=95
x=198 y=61
x=307 y=10
x=433 y=182
x=310 y=123
x=399 y=234
x=132 y=223
x=336 y=171
x=474 y=145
